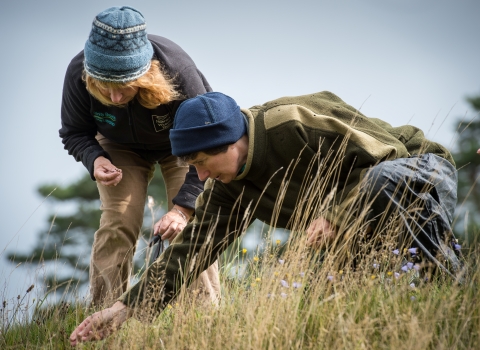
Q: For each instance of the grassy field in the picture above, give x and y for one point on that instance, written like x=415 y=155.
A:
x=365 y=290
x=298 y=300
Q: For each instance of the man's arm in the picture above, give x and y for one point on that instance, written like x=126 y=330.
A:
x=218 y=222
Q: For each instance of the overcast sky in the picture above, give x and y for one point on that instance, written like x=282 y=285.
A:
x=404 y=61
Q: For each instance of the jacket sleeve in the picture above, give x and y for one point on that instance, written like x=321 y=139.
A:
x=192 y=82
x=190 y=190
x=78 y=126
x=180 y=66
x=219 y=220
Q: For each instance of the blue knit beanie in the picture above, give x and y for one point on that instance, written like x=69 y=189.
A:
x=206 y=121
x=118 y=49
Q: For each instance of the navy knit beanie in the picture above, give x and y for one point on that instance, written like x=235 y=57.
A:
x=118 y=49
x=206 y=121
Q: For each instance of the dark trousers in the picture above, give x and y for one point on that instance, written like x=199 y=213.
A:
x=420 y=192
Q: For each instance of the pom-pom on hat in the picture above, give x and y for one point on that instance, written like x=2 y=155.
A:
x=206 y=121
x=118 y=49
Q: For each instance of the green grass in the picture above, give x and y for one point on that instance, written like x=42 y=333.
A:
x=353 y=295
x=368 y=308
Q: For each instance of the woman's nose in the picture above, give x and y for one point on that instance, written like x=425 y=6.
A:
x=115 y=96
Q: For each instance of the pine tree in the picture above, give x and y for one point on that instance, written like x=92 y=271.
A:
x=467 y=160
x=64 y=246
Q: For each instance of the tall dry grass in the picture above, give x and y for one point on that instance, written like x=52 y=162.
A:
x=363 y=291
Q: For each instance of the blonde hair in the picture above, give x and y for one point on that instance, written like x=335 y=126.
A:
x=155 y=88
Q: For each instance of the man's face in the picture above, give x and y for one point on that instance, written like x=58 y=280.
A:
x=223 y=167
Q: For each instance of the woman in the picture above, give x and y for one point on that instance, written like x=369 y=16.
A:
x=119 y=99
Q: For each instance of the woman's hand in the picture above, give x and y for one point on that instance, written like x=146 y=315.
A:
x=105 y=172
x=101 y=324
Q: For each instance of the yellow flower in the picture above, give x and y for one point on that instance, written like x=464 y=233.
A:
x=253 y=285
x=340 y=272
x=278 y=241
x=373 y=277
x=255 y=258
x=244 y=250
x=258 y=279
x=276 y=273
x=389 y=273
x=169 y=306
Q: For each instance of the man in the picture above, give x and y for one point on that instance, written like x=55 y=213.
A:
x=312 y=157
x=119 y=99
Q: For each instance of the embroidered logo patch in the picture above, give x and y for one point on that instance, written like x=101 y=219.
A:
x=161 y=122
x=104 y=117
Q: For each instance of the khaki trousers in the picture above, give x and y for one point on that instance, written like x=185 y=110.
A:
x=121 y=222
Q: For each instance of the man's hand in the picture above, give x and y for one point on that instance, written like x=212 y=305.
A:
x=478 y=151
x=101 y=324
x=172 y=223
x=106 y=173
x=320 y=233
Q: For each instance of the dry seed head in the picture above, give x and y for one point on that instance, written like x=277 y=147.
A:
x=151 y=202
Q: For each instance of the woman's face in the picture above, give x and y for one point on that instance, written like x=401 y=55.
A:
x=120 y=95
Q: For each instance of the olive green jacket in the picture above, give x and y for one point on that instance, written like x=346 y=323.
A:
x=294 y=144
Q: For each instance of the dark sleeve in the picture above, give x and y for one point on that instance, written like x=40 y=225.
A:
x=180 y=66
x=78 y=126
x=192 y=82
x=219 y=220
x=190 y=190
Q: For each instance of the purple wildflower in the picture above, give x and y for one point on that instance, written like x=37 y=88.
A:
x=396 y=274
x=416 y=267
x=330 y=278
x=281 y=261
x=376 y=266
x=296 y=285
x=457 y=246
x=404 y=268
x=412 y=285
x=302 y=274
x=284 y=283
x=412 y=298
x=412 y=250
x=396 y=252
x=410 y=265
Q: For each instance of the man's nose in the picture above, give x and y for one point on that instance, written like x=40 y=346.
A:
x=202 y=174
